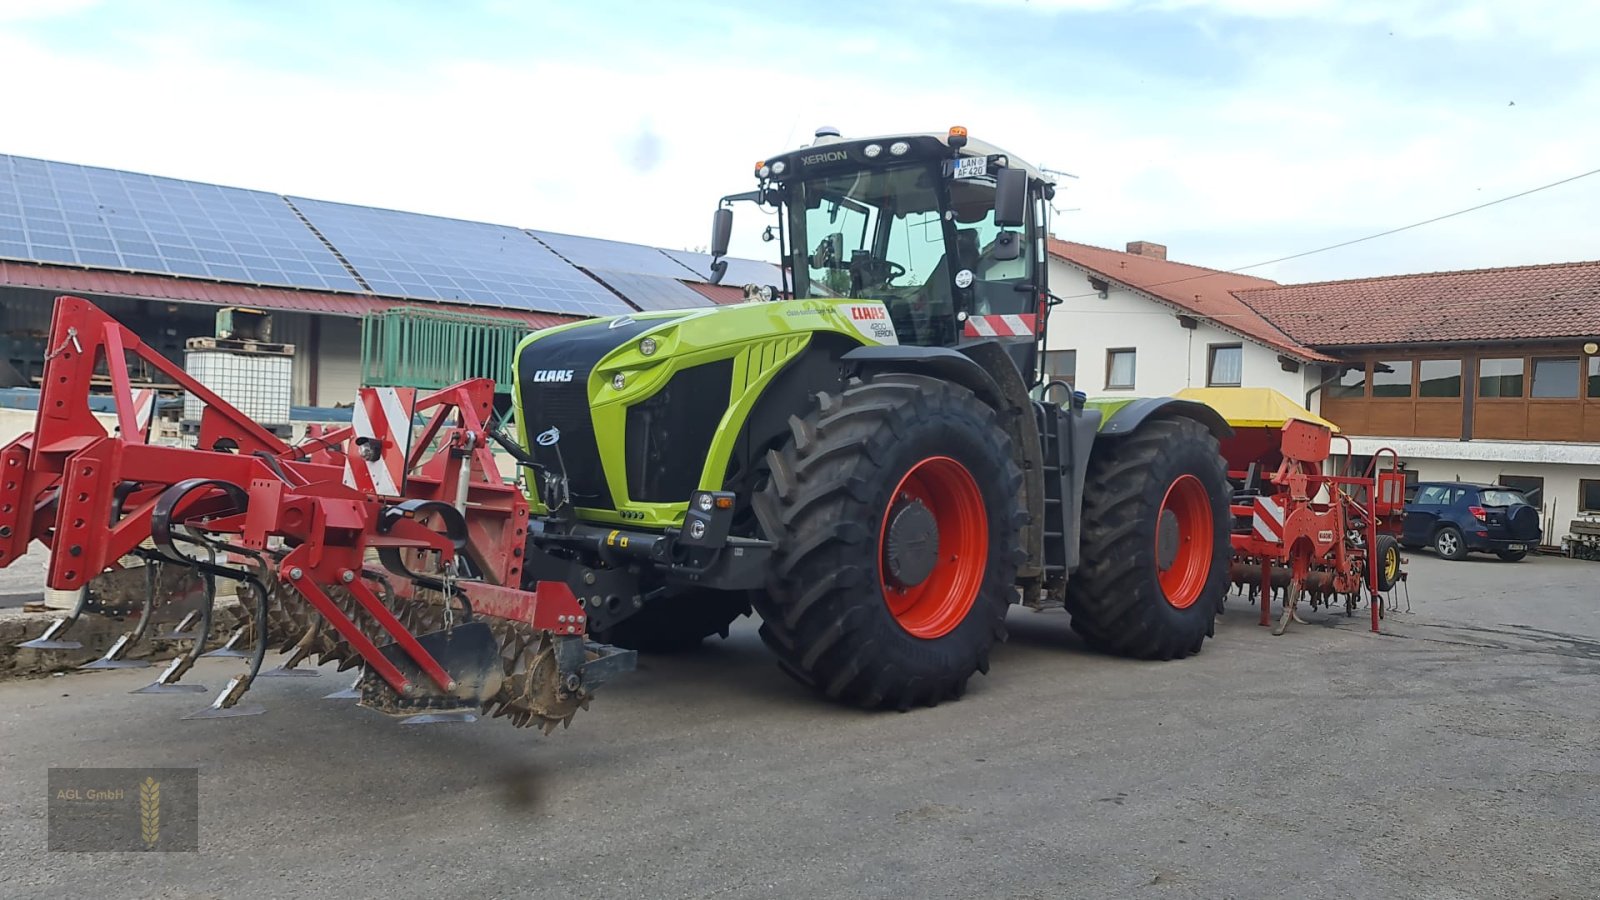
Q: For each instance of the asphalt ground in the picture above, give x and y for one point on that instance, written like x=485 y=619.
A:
x=1455 y=756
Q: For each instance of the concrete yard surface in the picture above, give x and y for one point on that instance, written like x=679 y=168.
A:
x=1455 y=756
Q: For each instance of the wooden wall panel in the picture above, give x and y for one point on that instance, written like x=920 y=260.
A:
x=1558 y=421
x=1500 y=419
x=1591 y=421
x=1390 y=418
x=1439 y=420
x=1349 y=415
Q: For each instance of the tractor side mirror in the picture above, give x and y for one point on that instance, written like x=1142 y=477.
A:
x=1010 y=198
x=721 y=231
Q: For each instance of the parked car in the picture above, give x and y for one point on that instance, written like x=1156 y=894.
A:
x=1457 y=518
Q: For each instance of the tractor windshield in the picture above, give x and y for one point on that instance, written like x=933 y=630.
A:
x=888 y=234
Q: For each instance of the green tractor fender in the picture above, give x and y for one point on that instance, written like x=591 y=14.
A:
x=1122 y=417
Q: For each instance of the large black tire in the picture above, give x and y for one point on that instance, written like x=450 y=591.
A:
x=1449 y=544
x=1512 y=555
x=1388 y=563
x=677 y=622
x=1116 y=598
x=846 y=467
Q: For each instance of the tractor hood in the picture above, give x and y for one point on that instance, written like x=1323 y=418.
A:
x=640 y=410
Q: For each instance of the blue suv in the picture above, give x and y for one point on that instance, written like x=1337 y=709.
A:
x=1457 y=518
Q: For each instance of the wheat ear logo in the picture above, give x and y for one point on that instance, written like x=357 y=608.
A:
x=150 y=811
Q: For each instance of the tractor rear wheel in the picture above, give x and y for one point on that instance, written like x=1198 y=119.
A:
x=895 y=511
x=678 y=622
x=1155 y=540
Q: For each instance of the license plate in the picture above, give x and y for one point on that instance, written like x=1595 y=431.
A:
x=1516 y=546
x=970 y=167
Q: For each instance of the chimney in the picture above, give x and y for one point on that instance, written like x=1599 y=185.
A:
x=1146 y=248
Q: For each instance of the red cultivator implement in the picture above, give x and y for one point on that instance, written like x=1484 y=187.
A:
x=373 y=546
x=1314 y=536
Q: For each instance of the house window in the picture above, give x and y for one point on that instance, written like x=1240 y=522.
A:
x=1531 y=486
x=1120 y=366
x=1439 y=378
x=1500 y=377
x=1594 y=376
x=1555 y=377
x=1588 y=495
x=1391 y=379
x=1351 y=384
x=1226 y=366
x=1061 y=365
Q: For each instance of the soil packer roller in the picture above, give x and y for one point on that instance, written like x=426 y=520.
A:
x=857 y=454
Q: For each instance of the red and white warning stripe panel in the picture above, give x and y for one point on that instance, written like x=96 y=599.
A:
x=1001 y=326
x=376 y=459
x=144 y=411
x=1267 y=520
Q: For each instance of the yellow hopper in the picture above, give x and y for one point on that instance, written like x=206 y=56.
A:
x=1254 y=407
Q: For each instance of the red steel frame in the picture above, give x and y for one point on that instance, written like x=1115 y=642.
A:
x=57 y=486
x=1315 y=531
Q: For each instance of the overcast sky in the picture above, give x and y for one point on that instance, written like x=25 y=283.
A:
x=1233 y=131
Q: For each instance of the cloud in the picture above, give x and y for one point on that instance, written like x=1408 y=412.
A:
x=1231 y=130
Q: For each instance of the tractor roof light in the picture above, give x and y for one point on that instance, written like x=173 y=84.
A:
x=899 y=148
x=871 y=151
x=647 y=347
x=958 y=137
x=779 y=167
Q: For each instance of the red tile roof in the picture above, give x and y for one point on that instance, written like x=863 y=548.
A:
x=193 y=290
x=1206 y=294
x=1560 y=300
x=720 y=294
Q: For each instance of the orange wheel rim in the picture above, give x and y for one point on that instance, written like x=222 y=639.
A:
x=937 y=603
x=1185 y=536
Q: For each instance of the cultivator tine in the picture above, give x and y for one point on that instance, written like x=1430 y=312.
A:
x=167 y=682
x=227 y=703
x=353 y=692
x=450 y=717
x=302 y=650
x=181 y=631
x=229 y=648
x=51 y=639
x=114 y=656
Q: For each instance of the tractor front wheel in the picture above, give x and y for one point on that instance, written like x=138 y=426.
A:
x=1156 y=545
x=895 y=511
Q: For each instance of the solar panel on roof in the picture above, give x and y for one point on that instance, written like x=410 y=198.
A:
x=81 y=215
x=613 y=256
x=740 y=271
x=457 y=261
x=650 y=292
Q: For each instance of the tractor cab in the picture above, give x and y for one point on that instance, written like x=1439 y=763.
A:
x=946 y=232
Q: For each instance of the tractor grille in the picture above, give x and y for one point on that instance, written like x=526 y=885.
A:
x=670 y=433
x=550 y=400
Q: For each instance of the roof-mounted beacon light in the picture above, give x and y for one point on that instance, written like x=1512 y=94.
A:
x=958 y=137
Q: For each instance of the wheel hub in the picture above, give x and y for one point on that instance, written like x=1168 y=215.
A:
x=911 y=545
x=1166 y=539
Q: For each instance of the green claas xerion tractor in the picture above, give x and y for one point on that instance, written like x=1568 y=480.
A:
x=860 y=454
